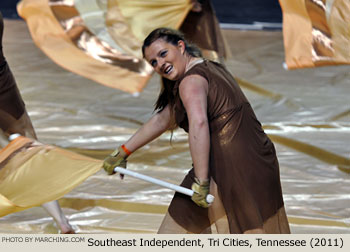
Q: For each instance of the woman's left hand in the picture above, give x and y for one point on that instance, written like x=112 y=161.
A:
x=117 y=158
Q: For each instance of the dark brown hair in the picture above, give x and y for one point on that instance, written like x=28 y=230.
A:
x=171 y=36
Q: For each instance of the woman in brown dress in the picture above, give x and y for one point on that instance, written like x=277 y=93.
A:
x=14 y=119
x=233 y=158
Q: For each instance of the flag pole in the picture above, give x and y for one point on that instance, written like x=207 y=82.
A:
x=180 y=189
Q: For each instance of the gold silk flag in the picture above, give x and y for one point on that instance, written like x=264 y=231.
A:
x=101 y=40
x=32 y=173
x=316 y=32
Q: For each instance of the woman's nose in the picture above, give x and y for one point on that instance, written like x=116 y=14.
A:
x=161 y=64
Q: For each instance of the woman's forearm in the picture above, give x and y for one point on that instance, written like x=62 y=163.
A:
x=153 y=128
x=199 y=140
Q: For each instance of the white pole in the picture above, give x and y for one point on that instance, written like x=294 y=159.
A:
x=13 y=136
x=180 y=189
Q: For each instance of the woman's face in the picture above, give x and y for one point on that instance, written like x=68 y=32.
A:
x=167 y=59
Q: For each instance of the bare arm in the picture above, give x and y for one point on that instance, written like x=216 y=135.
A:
x=158 y=123
x=153 y=128
x=193 y=93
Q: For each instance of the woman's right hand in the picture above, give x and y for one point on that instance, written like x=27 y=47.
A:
x=117 y=158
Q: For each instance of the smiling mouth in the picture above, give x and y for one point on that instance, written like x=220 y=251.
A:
x=168 y=69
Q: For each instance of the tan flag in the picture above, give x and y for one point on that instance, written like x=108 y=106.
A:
x=32 y=173
x=101 y=42
x=316 y=32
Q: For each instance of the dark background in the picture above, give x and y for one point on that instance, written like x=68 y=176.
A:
x=228 y=11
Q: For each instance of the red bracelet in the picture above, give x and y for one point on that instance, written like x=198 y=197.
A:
x=126 y=150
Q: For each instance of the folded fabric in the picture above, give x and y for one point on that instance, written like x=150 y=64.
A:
x=32 y=173
x=316 y=33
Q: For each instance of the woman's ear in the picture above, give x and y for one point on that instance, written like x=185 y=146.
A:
x=182 y=46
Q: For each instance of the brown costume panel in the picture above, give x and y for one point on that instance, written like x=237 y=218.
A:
x=202 y=29
x=13 y=116
x=243 y=160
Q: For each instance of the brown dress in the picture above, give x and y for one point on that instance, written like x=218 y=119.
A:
x=243 y=166
x=13 y=115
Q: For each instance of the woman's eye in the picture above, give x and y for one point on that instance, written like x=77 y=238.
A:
x=163 y=54
x=153 y=63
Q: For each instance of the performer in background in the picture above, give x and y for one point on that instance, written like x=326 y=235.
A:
x=14 y=119
x=233 y=159
x=201 y=27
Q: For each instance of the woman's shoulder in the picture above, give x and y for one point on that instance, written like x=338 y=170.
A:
x=204 y=69
x=205 y=65
x=201 y=68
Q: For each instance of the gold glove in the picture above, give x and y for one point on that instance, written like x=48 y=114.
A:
x=116 y=158
x=200 y=191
